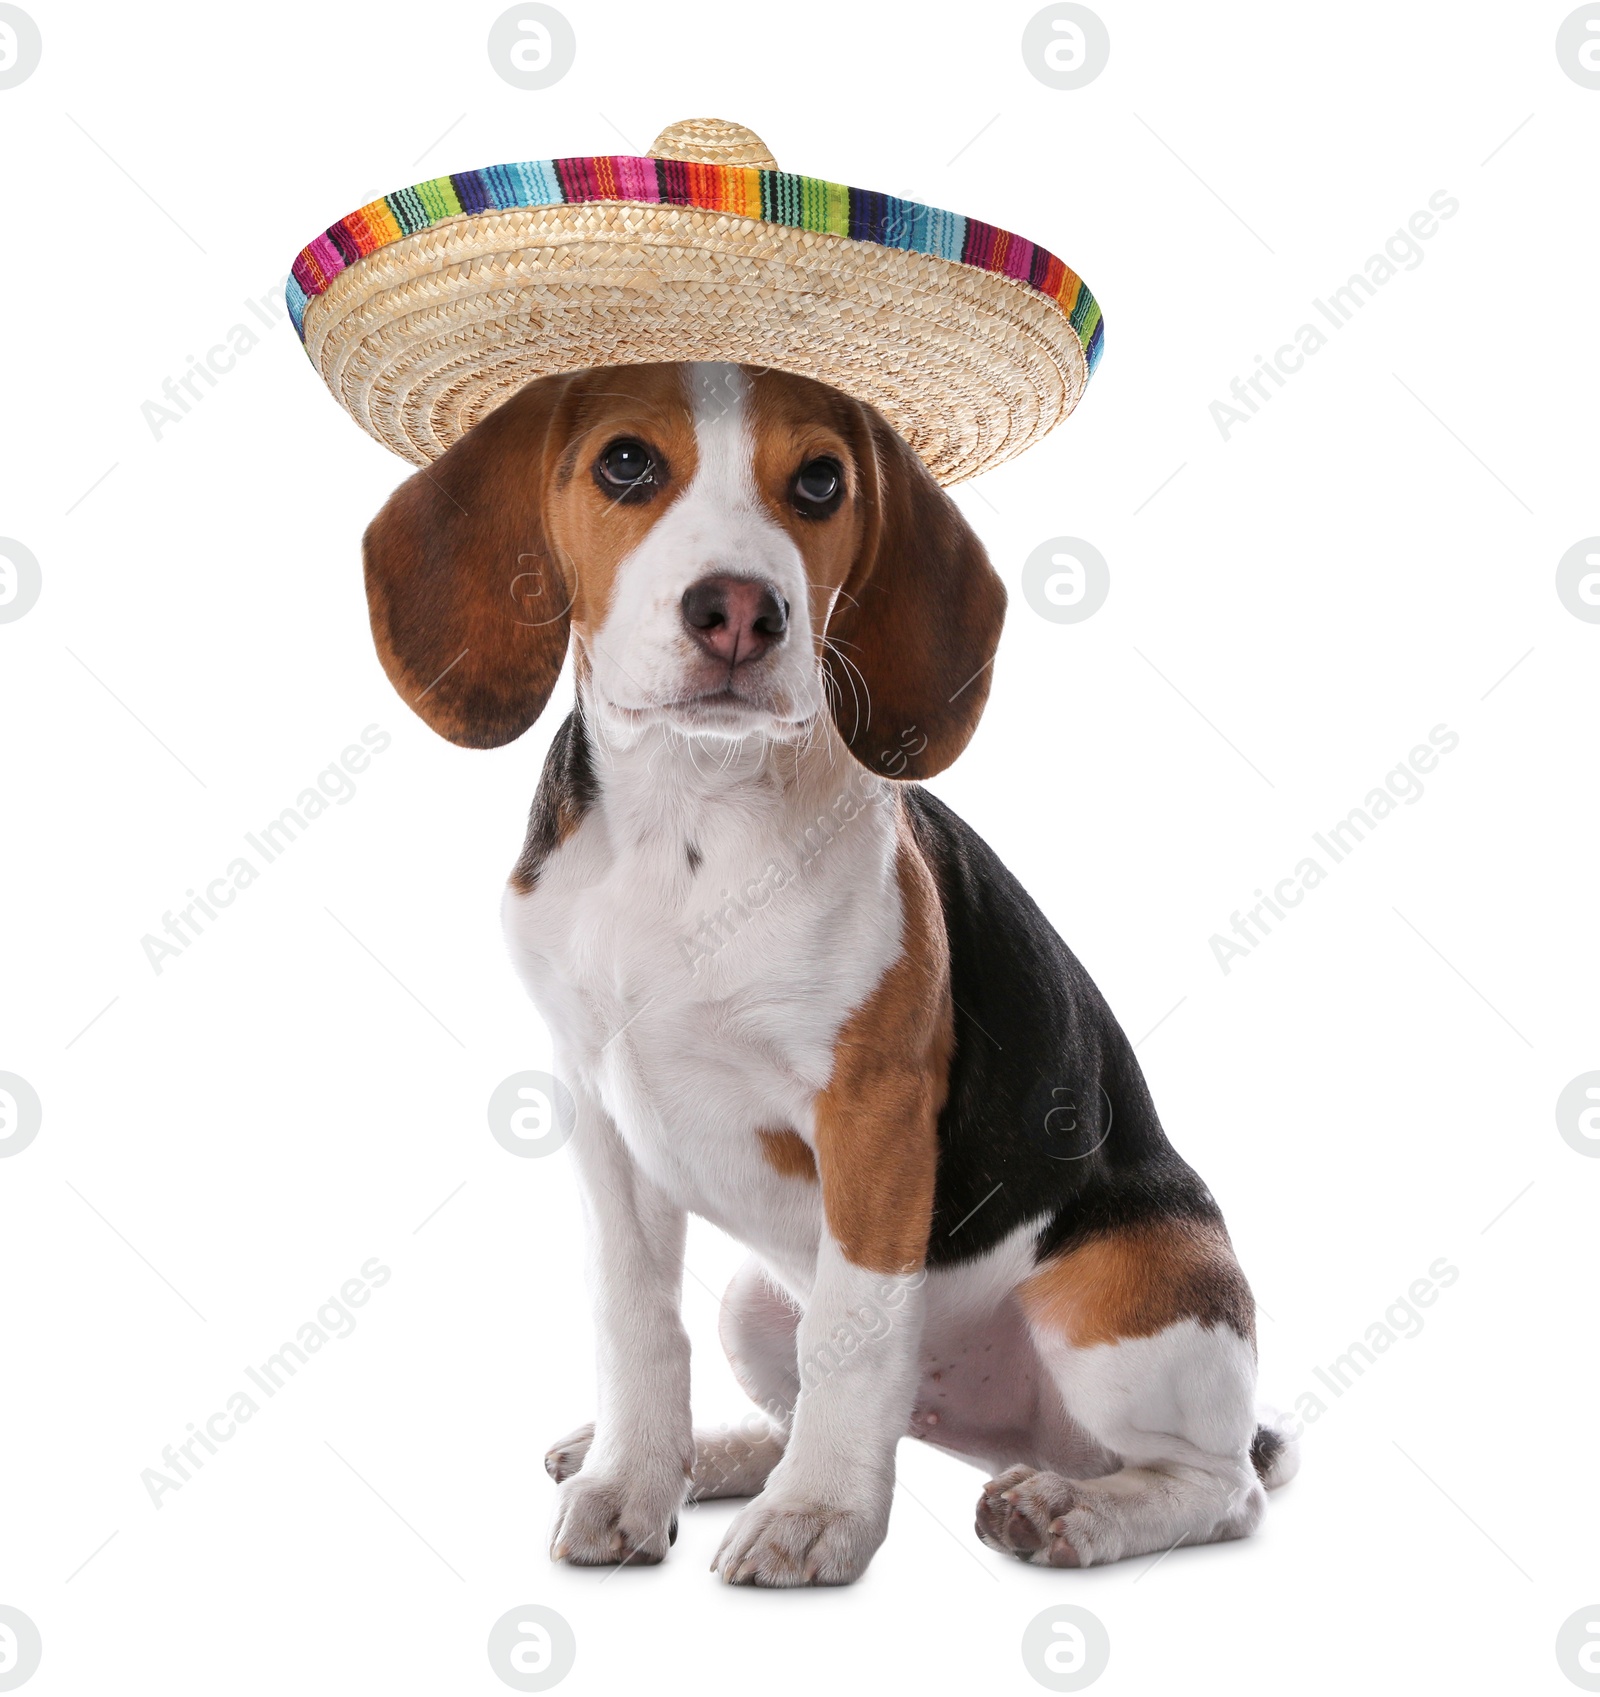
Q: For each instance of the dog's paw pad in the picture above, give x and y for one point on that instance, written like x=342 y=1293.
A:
x=1029 y=1514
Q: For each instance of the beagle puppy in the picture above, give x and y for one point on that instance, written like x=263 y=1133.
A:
x=794 y=994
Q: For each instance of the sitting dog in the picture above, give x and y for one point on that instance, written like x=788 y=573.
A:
x=792 y=993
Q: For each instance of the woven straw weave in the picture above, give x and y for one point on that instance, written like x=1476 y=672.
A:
x=424 y=336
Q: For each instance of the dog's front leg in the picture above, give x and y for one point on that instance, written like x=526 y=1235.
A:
x=623 y=1506
x=825 y=1508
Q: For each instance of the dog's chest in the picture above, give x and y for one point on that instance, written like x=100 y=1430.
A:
x=695 y=952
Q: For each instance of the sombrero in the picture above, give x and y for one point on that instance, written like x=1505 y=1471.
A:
x=426 y=309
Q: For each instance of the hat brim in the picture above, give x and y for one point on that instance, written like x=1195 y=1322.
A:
x=425 y=310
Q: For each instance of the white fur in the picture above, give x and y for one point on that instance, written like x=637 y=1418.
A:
x=691 y=1048
x=681 y=1039
x=825 y=1508
x=623 y=1501
x=681 y=1045
x=641 y=652
x=1178 y=1409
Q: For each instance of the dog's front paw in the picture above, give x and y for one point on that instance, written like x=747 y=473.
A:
x=603 y=1522
x=782 y=1542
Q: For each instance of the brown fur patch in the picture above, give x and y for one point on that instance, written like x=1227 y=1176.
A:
x=787 y=1152
x=901 y=588
x=469 y=612
x=878 y=1118
x=793 y=420
x=480 y=565
x=473 y=566
x=1135 y=1282
x=590 y=532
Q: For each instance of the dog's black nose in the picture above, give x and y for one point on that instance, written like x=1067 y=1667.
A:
x=735 y=619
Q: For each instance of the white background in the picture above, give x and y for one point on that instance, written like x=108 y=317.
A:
x=1365 y=560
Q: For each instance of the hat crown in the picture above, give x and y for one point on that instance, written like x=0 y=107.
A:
x=712 y=141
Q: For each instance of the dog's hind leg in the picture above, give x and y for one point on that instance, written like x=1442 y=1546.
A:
x=757 y=1328
x=758 y=1332
x=1148 y=1335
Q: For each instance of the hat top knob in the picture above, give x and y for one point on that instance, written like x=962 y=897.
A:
x=712 y=141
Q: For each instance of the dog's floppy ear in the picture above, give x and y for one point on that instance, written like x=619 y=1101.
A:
x=916 y=626
x=469 y=603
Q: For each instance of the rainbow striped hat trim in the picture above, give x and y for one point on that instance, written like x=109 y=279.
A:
x=428 y=306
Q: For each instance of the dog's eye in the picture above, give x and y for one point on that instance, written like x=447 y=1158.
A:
x=818 y=485
x=626 y=465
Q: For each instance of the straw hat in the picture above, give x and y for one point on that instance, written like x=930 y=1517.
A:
x=425 y=310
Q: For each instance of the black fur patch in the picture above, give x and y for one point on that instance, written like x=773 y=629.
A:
x=1265 y=1448
x=567 y=790
x=1048 y=1114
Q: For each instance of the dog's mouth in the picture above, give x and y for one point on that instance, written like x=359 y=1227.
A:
x=716 y=700
x=722 y=711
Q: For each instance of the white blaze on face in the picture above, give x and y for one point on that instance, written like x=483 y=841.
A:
x=643 y=655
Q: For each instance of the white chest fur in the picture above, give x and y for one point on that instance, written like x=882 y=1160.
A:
x=696 y=945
